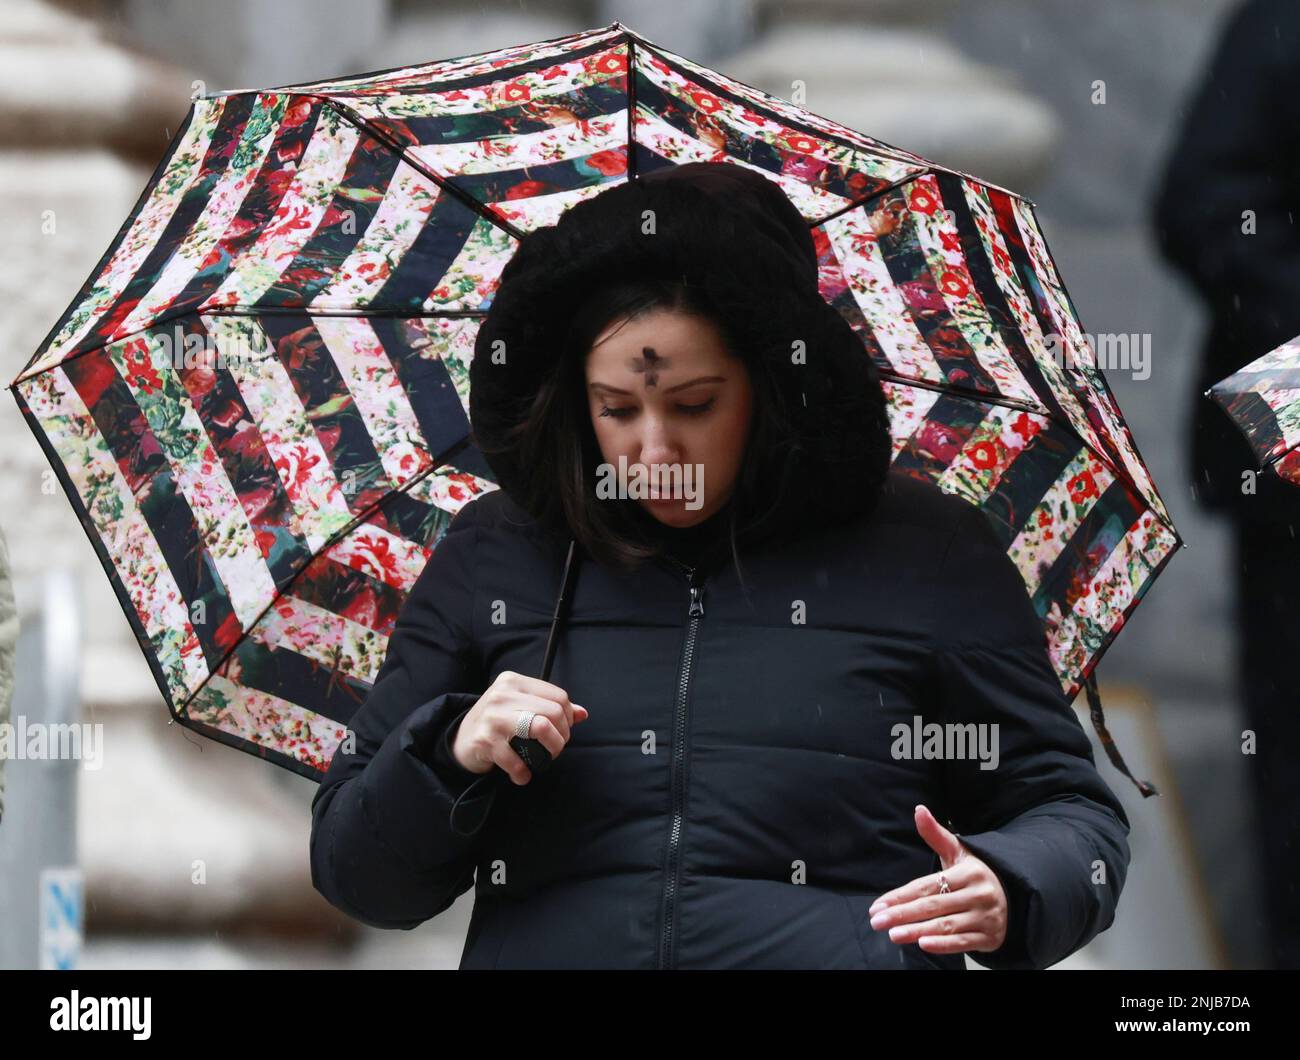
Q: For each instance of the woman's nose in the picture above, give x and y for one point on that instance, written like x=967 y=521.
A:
x=658 y=446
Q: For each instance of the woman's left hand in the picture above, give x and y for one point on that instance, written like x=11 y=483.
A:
x=971 y=916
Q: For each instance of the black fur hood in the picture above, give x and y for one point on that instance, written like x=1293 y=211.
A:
x=733 y=232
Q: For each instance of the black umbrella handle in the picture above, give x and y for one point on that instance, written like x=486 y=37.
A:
x=534 y=753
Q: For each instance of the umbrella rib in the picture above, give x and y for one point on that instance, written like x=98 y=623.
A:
x=353 y=118
x=631 y=104
x=964 y=391
x=840 y=211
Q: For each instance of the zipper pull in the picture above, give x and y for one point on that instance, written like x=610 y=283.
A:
x=697 y=600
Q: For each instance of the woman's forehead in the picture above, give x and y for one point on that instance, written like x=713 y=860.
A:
x=656 y=347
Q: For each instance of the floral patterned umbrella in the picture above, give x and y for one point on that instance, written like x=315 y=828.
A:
x=258 y=401
x=1263 y=399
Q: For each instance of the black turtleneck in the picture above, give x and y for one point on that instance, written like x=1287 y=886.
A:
x=695 y=543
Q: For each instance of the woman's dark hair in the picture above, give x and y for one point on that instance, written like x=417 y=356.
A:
x=819 y=445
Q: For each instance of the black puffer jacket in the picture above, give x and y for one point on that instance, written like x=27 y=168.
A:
x=735 y=799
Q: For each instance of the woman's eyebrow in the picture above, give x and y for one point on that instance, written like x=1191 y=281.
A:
x=679 y=386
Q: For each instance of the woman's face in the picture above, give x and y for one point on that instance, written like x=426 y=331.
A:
x=667 y=397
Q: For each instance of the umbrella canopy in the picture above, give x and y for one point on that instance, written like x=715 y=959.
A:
x=258 y=401
x=1263 y=399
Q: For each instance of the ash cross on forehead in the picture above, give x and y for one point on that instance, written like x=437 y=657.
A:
x=650 y=363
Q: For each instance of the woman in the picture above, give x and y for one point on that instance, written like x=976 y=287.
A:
x=742 y=775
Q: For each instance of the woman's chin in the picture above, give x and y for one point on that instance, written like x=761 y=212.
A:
x=672 y=510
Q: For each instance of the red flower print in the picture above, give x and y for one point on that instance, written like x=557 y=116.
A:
x=551 y=73
x=526 y=189
x=329 y=436
x=805 y=145
x=920 y=295
x=1044 y=517
x=661 y=66
x=1082 y=486
x=710 y=104
x=374 y=552
x=608 y=163
x=951 y=240
x=922 y=201
x=291 y=221
x=984 y=455
x=1026 y=426
x=140 y=369
x=856 y=183
x=516 y=92
x=612 y=63
x=296 y=114
x=266 y=540
x=862 y=242
x=939 y=440
x=92 y=376
x=1000 y=258
x=954 y=284
x=362 y=609
x=228 y=633
x=300 y=469
x=461 y=486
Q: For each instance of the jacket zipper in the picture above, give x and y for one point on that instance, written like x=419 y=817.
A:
x=667 y=955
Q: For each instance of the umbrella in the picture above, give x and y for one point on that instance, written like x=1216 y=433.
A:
x=258 y=401
x=1263 y=399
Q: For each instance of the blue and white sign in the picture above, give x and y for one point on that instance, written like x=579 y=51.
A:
x=61 y=911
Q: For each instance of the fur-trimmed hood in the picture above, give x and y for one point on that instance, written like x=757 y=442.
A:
x=732 y=231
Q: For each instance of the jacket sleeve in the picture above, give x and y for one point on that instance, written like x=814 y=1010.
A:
x=1042 y=817
x=383 y=848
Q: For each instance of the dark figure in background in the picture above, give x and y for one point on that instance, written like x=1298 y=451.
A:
x=1239 y=151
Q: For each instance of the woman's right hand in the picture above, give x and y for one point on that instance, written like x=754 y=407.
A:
x=483 y=738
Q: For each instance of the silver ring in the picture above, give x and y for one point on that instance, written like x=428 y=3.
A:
x=943 y=884
x=524 y=723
